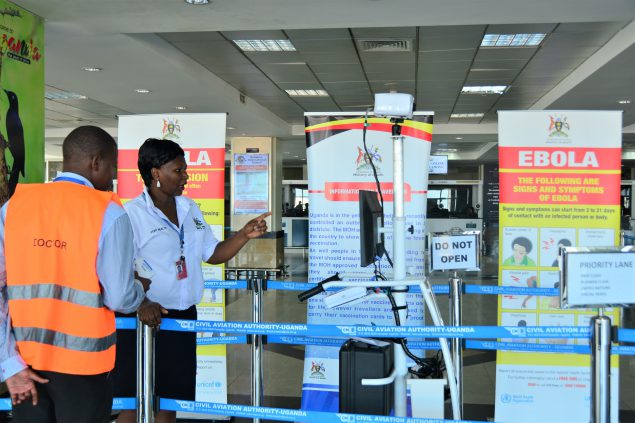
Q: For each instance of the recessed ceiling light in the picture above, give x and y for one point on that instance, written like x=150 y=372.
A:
x=265 y=45
x=484 y=89
x=197 y=2
x=287 y=152
x=230 y=127
x=446 y=150
x=466 y=115
x=181 y=108
x=307 y=93
x=91 y=69
x=296 y=156
x=512 y=40
x=624 y=101
x=142 y=91
x=304 y=160
x=458 y=138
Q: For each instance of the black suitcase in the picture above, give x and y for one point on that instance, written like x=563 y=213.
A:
x=360 y=360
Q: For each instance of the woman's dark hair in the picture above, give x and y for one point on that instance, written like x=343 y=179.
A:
x=564 y=242
x=525 y=242
x=154 y=153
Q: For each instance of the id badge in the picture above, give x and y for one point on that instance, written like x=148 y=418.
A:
x=181 y=269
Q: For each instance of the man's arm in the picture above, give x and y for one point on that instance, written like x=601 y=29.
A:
x=10 y=360
x=121 y=292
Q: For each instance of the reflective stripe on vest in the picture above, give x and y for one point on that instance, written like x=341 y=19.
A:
x=57 y=313
x=63 y=340
x=57 y=292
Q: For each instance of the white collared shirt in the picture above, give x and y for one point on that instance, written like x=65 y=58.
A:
x=157 y=241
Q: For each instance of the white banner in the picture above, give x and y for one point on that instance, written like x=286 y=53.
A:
x=338 y=168
x=202 y=137
x=559 y=175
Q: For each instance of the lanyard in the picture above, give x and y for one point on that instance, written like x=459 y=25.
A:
x=182 y=241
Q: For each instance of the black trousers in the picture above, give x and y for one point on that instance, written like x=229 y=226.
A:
x=68 y=399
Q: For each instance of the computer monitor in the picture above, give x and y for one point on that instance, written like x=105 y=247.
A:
x=371 y=218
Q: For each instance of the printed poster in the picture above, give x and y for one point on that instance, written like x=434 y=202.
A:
x=202 y=137
x=559 y=186
x=338 y=167
x=21 y=98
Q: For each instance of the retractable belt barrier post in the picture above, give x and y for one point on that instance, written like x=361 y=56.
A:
x=147 y=393
x=600 y=368
x=257 y=282
x=456 y=319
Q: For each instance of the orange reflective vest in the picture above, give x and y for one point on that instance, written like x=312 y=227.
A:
x=55 y=303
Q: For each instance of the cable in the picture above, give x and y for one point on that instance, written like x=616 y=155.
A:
x=381 y=195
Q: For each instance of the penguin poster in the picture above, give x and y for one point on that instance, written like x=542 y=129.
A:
x=21 y=98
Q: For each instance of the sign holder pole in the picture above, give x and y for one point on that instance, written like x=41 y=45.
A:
x=600 y=368
x=139 y=400
x=456 y=319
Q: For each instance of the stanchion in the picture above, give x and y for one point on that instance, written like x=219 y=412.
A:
x=147 y=397
x=257 y=281
x=600 y=368
x=139 y=398
x=456 y=319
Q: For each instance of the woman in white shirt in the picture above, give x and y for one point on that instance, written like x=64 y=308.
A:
x=172 y=239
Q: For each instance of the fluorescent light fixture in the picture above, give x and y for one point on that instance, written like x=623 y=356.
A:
x=265 y=45
x=466 y=115
x=458 y=138
x=484 y=89
x=512 y=40
x=91 y=69
x=230 y=127
x=307 y=93
x=181 y=108
x=197 y=2
x=142 y=91
x=624 y=101
x=64 y=95
x=446 y=150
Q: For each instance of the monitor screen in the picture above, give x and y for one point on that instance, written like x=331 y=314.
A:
x=371 y=218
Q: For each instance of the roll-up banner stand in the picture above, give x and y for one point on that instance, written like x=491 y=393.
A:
x=559 y=187
x=202 y=137
x=338 y=167
x=21 y=98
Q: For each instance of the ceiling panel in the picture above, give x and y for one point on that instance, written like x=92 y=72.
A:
x=438 y=38
x=288 y=73
x=318 y=34
x=377 y=33
x=255 y=35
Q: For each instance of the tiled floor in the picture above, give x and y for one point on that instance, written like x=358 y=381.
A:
x=283 y=365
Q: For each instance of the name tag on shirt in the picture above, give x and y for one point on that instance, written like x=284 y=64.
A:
x=181 y=269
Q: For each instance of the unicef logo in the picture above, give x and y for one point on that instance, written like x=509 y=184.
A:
x=506 y=398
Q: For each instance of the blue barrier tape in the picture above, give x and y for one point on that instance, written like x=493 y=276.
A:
x=296 y=329
x=527 y=347
x=125 y=323
x=438 y=289
x=221 y=340
x=623 y=350
x=117 y=404
x=124 y=403
x=230 y=284
x=285 y=414
x=511 y=290
x=546 y=348
x=626 y=335
x=337 y=342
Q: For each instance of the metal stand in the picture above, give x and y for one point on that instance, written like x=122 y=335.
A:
x=145 y=373
x=456 y=319
x=399 y=266
x=600 y=368
x=257 y=282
